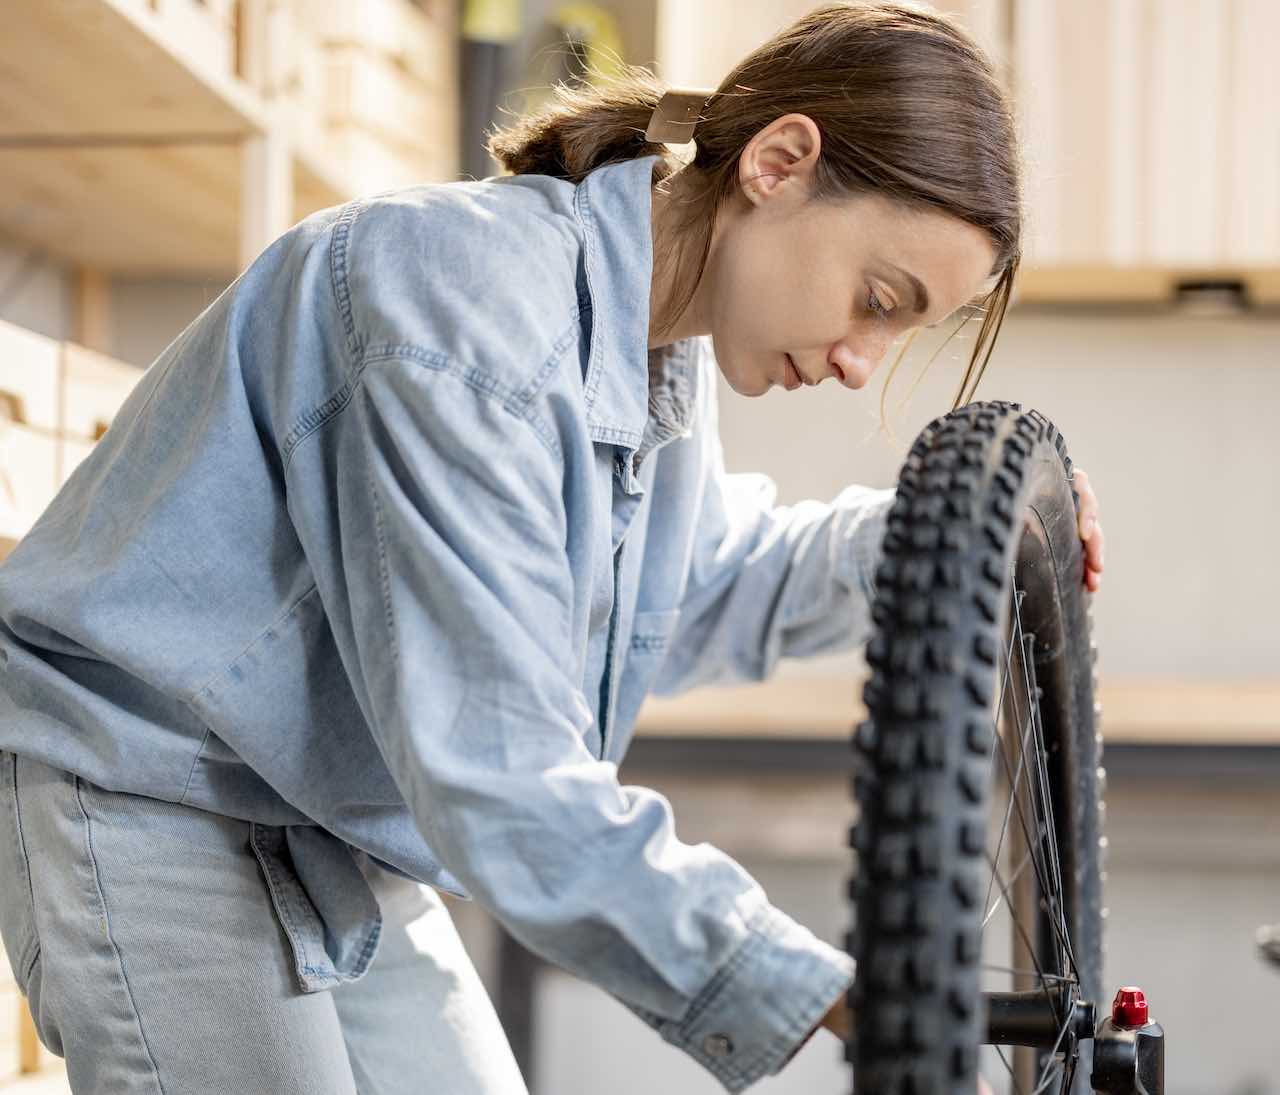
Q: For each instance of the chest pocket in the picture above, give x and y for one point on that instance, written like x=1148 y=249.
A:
x=651 y=634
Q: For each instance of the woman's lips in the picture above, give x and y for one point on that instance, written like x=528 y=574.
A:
x=793 y=378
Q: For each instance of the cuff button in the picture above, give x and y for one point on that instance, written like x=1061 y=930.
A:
x=717 y=1045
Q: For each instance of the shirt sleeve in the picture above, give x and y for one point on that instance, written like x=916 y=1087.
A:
x=454 y=621
x=769 y=581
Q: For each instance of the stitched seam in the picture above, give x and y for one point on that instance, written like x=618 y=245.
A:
x=366 y=952
x=252 y=643
x=384 y=575
x=281 y=903
x=12 y=758
x=182 y=799
x=519 y=402
x=338 y=248
x=717 y=982
x=313 y=419
x=648 y=642
x=22 y=850
x=588 y=244
x=516 y=401
x=31 y=965
x=97 y=881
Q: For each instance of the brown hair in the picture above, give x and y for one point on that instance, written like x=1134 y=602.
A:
x=908 y=105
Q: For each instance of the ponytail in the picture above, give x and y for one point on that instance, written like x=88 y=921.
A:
x=585 y=127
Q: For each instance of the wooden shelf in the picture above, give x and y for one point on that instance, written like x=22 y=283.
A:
x=1141 y=285
x=1134 y=711
x=122 y=151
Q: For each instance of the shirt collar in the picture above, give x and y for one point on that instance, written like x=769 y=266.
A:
x=613 y=204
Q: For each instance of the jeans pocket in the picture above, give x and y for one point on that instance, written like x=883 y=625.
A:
x=17 y=908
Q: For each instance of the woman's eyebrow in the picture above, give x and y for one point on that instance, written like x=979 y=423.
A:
x=921 y=293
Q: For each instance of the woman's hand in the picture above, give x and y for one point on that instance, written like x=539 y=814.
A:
x=1090 y=531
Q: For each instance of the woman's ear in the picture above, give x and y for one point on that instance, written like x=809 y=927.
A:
x=780 y=159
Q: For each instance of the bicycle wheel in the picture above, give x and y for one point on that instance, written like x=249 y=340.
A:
x=977 y=886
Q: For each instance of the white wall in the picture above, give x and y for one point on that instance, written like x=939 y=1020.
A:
x=1171 y=416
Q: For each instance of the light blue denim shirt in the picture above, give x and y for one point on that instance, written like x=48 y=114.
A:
x=387 y=548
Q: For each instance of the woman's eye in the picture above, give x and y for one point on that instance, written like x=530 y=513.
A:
x=873 y=303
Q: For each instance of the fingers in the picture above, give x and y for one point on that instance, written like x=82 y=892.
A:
x=1088 y=502
x=1090 y=530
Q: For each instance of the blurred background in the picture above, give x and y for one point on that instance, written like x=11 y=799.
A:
x=149 y=149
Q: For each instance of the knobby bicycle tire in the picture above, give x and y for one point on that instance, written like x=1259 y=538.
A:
x=985 y=507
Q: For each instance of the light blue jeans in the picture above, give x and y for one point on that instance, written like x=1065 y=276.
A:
x=145 y=937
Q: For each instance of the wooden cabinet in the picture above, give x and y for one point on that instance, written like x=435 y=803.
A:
x=155 y=137
x=56 y=401
x=371 y=90
x=1150 y=129
x=28 y=477
x=29 y=379
x=94 y=386
x=29 y=413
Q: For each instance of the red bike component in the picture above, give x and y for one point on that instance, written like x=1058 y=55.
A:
x=1129 y=1009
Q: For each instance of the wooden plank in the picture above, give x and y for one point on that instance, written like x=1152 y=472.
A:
x=266 y=192
x=369 y=163
x=28 y=476
x=28 y=1042
x=91 y=321
x=29 y=377
x=200 y=34
x=94 y=387
x=1125 y=165
x=106 y=194
x=1150 y=710
x=1037 y=83
x=143 y=79
x=422 y=42
x=1082 y=99
x=1101 y=284
x=368 y=91
x=1252 y=188
x=126 y=210
x=1183 y=128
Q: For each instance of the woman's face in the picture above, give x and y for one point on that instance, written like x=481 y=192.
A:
x=824 y=287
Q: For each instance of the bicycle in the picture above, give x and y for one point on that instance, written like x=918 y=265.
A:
x=979 y=784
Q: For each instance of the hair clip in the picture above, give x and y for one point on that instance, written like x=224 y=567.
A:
x=674 y=118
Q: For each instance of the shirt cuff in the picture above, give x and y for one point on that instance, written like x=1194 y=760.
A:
x=763 y=1004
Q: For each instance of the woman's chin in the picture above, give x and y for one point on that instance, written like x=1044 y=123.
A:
x=753 y=384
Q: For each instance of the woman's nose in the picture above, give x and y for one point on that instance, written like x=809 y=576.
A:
x=854 y=364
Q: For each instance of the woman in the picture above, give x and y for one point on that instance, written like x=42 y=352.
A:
x=366 y=583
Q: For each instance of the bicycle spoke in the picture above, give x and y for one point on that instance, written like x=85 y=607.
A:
x=1070 y=1076
x=1012 y=879
x=1055 y=913
x=1022 y=820
x=1004 y=828
x=1016 y=779
x=1027 y=973
x=1041 y=1084
x=1017 y=1087
x=1035 y=961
